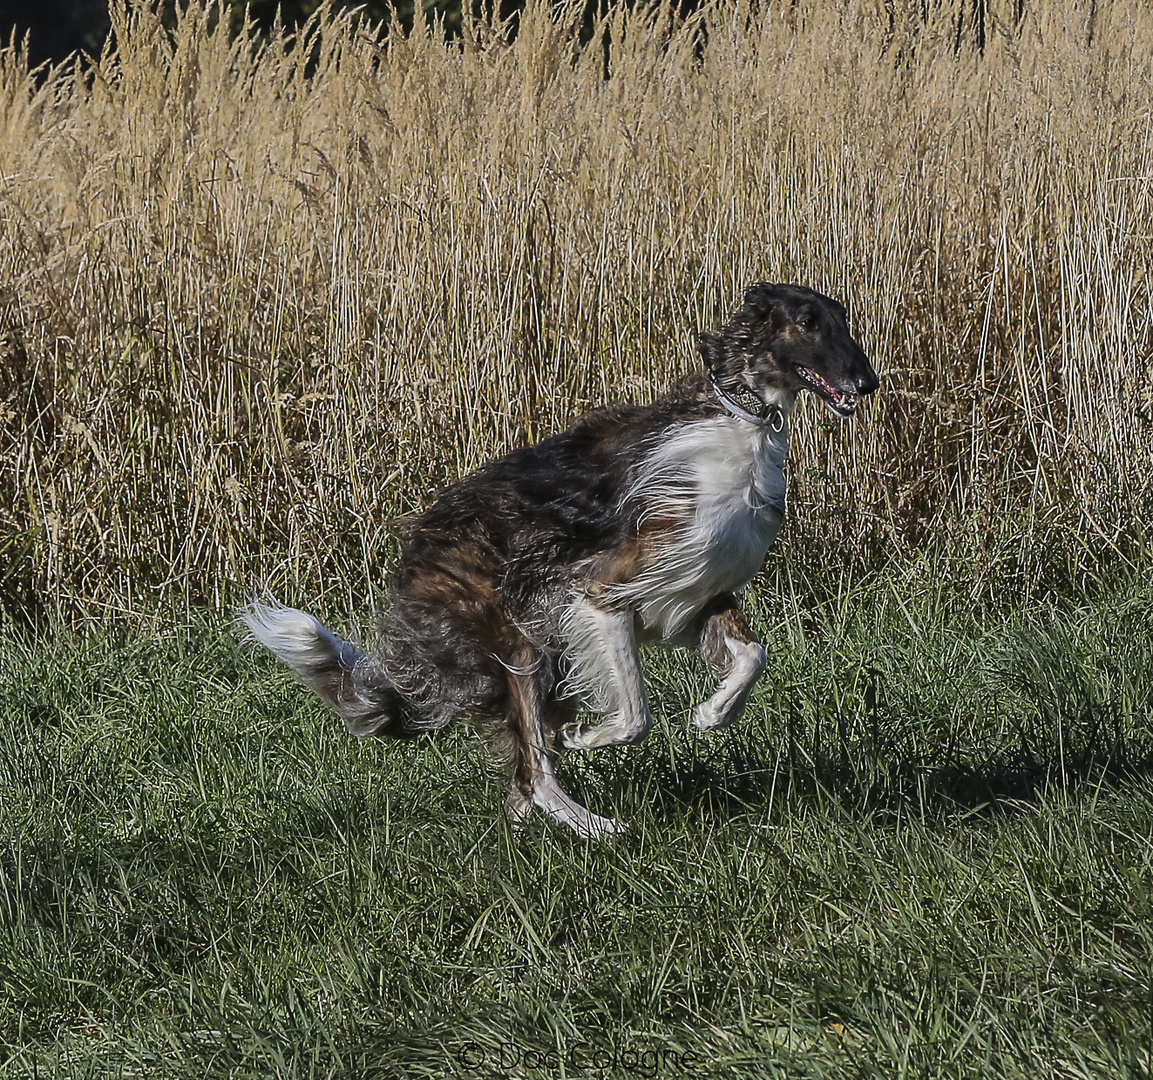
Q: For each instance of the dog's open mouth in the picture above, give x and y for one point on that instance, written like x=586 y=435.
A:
x=841 y=402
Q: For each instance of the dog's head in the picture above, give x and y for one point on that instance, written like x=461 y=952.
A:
x=784 y=339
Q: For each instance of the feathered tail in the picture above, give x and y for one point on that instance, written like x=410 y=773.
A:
x=343 y=677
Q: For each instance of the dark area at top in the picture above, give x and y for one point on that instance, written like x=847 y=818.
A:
x=59 y=28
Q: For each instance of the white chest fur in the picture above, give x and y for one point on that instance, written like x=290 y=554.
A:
x=724 y=479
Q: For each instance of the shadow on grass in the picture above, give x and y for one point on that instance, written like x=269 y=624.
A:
x=739 y=774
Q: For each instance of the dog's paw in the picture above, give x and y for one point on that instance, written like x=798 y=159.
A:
x=728 y=703
x=604 y=828
x=709 y=717
x=574 y=737
x=549 y=798
x=610 y=732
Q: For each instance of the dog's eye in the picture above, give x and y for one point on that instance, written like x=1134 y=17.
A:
x=807 y=322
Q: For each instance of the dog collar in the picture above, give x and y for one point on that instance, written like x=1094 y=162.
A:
x=750 y=407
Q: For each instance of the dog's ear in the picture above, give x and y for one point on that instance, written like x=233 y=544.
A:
x=712 y=350
x=762 y=300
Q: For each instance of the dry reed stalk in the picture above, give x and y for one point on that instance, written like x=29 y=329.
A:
x=260 y=298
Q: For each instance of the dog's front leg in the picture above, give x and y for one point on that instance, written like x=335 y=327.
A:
x=605 y=669
x=733 y=654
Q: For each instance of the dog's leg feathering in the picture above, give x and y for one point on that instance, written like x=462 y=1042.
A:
x=731 y=652
x=606 y=672
x=346 y=680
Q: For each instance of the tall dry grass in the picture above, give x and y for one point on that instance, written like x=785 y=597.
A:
x=259 y=298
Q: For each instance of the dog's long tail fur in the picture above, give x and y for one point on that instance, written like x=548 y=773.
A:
x=344 y=678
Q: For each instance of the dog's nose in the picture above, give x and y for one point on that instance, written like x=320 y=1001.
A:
x=867 y=382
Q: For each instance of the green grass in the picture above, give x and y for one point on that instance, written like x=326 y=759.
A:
x=926 y=852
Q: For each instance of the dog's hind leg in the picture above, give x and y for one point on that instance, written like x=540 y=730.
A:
x=534 y=783
x=606 y=671
x=732 y=653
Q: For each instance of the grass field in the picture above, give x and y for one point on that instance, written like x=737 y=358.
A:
x=925 y=853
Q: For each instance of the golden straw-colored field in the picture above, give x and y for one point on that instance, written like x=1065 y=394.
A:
x=259 y=298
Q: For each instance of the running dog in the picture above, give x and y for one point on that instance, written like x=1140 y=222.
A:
x=526 y=589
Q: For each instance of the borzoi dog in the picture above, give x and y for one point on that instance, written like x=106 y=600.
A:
x=527 y=588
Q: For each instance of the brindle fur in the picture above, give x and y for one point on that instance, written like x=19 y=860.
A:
x=476 y=623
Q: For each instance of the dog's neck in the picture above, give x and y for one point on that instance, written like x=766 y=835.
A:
x=742 y=403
